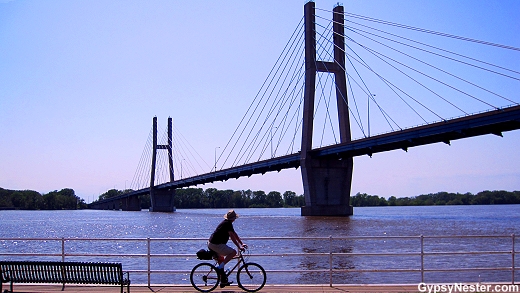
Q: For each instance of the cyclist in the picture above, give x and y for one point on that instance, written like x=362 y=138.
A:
x=218 y=243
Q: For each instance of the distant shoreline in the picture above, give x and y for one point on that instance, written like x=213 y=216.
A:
x=197 y=198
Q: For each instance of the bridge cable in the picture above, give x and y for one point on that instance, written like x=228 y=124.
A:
x=145 y=171
x=369 y=95
x=250 y=116
x=439 y=81
x=263 y=107
x=360 y=123
x=185 y=144
x=294 y=94
x=431 y=32
x=296 y=115
x=284 y=125
x=280 y=101
x=439 y=69
x=345 y=100
x=356 y=30
x=392 y=86
x=186 y=152
x=286 y=50
x=326 y=49
x=267 y=141
x=432 y=91
x=285 y=98
x=298 y=28
x=437 y=48
x=144 y=163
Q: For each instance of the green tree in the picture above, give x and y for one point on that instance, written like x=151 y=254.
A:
x=289 y=198
x=274 y=199
x=110 y=193
x=259 y=199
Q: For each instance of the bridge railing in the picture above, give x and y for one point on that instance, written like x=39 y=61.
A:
x=323 y=260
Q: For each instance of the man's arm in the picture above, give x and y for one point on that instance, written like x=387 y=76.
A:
x=234 y=237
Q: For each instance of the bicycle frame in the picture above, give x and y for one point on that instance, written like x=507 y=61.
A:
x=240 y=258
x=251 y=277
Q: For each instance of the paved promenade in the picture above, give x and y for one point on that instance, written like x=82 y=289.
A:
x=231 y=289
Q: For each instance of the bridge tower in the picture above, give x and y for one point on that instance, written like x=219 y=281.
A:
x=326 y=181
x=161 y=200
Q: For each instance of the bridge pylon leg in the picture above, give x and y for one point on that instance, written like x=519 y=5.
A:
x=326 y=181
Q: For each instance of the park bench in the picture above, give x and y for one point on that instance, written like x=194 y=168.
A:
x=63 y=273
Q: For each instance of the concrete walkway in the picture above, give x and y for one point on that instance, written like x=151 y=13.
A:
x=23 y=288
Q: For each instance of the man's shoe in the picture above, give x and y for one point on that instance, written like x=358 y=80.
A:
x=225 y=283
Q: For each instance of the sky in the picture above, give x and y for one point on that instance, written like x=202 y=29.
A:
x=82 y=80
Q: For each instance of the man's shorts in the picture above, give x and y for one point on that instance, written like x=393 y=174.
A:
x=221 y=249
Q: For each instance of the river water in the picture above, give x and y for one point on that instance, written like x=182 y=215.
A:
x=497 y=220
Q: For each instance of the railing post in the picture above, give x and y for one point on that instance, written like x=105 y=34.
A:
x=149 y=260
x=422 y=258
x=62 y=249
x=330 y=260
x=513 y=260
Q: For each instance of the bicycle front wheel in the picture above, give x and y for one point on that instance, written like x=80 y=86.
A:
x=251 y=277
x=204 y=277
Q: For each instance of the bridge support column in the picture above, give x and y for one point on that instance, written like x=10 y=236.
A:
x=326 y=181
x=162 y=201
x=131 y=203
x=327 y=187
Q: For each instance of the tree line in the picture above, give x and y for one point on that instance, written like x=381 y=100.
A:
x=198 y=198
x=64 y=199
x=192 y=198
x=440 y=198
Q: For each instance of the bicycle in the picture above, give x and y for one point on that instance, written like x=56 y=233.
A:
x=251 y=276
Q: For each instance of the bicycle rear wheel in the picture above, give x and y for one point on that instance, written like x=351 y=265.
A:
x=251 y=277
x=204 y=277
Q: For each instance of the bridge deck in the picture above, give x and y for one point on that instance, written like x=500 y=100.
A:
x=492 y=122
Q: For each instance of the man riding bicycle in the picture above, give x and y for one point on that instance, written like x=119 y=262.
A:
x=218 y=243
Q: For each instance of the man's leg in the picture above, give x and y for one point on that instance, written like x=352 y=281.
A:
x=220 y=259
x=229 y=257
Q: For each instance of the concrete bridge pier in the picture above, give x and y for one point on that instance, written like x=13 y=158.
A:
x=162 y=201
x=131 y=203
x=327 y=187
x=110 y=205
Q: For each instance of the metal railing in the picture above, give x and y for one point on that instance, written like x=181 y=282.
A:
x=423 y=254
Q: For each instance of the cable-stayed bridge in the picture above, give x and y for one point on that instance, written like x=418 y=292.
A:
x=341 y=76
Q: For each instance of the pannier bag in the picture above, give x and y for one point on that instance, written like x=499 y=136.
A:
x=204 y=254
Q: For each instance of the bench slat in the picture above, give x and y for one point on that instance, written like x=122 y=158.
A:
x=62 y=272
